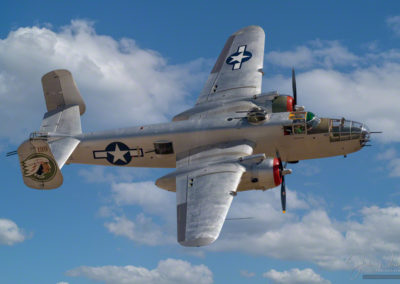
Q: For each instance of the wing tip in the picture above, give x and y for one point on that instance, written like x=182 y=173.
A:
x=199 y=242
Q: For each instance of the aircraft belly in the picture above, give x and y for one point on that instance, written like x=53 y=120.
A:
x=304 y=147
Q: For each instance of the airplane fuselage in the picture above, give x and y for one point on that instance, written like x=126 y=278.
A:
x=135 y=147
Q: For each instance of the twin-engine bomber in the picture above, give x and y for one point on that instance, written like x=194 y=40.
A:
x=235 y=138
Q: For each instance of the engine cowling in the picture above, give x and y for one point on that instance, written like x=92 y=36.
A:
x=263 y=175
x=283 y=103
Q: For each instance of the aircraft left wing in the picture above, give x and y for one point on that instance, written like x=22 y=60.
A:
x=205 y=184
x=238 y=70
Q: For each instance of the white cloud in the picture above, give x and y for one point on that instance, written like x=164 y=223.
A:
x=317 y=238
x=300 y=234
x=387 y=154
x=394 y=167
x=145 y=194
x=392 y=162
x=62 y=282
x=394 y=23
x=142 y=230
x=264 y=209
x=317 y=53
x=169 y=271
x=295 y=276
x=129 y=84
x=247 y=274
x=10 y=233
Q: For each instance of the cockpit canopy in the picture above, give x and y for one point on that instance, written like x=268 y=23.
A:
x=312 y=120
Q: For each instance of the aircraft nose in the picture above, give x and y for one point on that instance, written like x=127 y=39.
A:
x=365 y=135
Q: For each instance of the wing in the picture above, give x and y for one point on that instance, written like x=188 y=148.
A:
x=204 y=191
x=238 y=70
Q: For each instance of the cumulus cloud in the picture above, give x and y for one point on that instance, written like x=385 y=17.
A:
x=301 y=234
x=122 y=83
x=295 y=276
x=394 y=23
x=168 y=271
x=142 y=230
x=392 y=162
x=317 y=53
x=145 y=194
x=10 y=233
x=317 y=238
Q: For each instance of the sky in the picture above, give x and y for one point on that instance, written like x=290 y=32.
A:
x=142 y=62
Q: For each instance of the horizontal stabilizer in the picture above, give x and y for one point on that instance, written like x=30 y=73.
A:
x=62 y=149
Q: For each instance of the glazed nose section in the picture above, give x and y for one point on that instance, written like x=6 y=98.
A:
x=365 y=135
x=342 y=130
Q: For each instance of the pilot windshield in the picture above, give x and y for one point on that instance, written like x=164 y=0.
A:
x=312 y=120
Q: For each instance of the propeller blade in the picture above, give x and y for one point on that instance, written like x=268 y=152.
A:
x=294 y=88
x=283 y=185
x=283 y=195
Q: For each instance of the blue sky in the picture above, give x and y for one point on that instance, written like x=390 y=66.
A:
x=139 y=62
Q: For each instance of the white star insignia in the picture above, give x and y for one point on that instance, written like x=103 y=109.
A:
x=118 y=154
x=238 y=58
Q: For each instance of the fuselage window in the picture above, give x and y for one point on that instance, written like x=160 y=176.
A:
x=163 y=147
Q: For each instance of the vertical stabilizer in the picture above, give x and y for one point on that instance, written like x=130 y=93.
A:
x=60 y=90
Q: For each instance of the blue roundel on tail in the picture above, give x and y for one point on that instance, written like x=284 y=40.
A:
x=239 y=57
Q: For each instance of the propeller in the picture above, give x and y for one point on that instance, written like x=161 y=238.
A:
x=282 y=172
x=294 y=88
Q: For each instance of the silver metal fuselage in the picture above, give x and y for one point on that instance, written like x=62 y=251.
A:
x=266 y=137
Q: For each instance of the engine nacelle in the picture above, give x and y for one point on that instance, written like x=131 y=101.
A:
x=263 y=175
x=283 y=103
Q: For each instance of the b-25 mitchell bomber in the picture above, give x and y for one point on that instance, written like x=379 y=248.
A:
x=235 y=138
